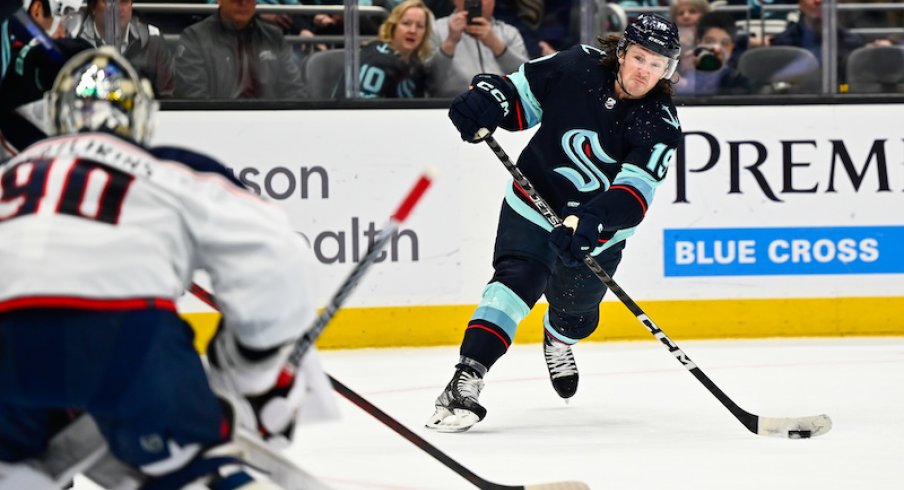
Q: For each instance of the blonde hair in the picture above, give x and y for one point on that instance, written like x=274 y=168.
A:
x=387 y=28
x=702 y=5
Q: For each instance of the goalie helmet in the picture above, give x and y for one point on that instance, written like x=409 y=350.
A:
x=656 y=34
x=98 y=90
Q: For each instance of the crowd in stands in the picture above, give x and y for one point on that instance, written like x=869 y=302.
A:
x=432 y=48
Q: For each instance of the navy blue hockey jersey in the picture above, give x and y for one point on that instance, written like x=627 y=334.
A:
x=385 y=75
x=590 y=146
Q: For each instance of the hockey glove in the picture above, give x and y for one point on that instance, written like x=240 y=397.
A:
x=573 y=244
x=261 y=386
x=485 y=105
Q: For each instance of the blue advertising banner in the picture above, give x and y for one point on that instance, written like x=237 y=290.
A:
x=784 y=251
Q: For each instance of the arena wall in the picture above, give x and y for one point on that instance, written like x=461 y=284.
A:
x=773 y=220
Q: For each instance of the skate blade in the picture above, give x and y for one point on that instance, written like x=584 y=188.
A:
x=450 y=421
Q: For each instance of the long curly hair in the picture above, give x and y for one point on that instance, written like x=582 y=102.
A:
x=388 y=27
x=609 y=45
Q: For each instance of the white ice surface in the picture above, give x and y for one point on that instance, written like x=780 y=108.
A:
x=639 y=420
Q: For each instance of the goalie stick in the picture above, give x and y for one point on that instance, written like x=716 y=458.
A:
x=440 y=456
x=351 y=282
x=320 y=323
x=405 y=432
x=788 y=427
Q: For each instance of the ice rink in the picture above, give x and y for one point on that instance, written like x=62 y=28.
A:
x=638 y=421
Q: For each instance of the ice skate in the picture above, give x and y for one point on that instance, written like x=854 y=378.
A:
x=563 y=372
x=457 y=409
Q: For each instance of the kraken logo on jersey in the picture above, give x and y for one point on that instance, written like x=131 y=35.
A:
x=577 y=145
x=671 y=119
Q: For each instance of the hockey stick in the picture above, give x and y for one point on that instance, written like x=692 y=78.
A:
x=789 y=427
x=37 y=33
x=351 y=282
x=304 y=343
x=440 y=456
x=405 y=432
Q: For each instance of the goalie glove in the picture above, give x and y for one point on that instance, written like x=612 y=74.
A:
x=261 y=386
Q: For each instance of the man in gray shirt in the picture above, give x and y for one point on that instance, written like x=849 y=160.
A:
x=233 y=54
x=465 y=49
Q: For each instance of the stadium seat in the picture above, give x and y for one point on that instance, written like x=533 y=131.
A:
x=321 y=71
x=874 y=69
x=781 y=69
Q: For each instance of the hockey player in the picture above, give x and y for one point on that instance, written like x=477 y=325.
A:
x=608 y=130
x=397 y=58
x=393 y=65
x=28 y=68
x=101 y=235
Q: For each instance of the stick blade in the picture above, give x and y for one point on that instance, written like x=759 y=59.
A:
x=794 y=427
x=559 y=485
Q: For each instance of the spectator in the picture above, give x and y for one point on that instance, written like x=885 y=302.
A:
x=141 y=44
x=686 y=14
x=873 y=18
x=440 y=8
x=233 y=54
x=393 y=66
x=807 y=33
x=715 y=59
x=466 y=48
x=545 y=25
x=287 y=23
x=170 y=22
x=40 y=11
x=26 y=73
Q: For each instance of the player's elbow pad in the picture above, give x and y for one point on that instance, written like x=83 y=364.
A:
x=619 y=208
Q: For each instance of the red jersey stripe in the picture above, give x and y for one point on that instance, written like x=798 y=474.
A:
x=633 y=192
x=98 y=304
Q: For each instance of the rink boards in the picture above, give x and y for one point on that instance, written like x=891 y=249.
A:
x=772 y=221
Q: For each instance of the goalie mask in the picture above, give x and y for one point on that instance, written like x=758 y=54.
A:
x=98 y=90
x=656 y=34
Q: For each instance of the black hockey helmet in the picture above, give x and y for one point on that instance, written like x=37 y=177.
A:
x=656 y=34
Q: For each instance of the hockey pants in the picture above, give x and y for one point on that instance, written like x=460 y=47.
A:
x=526 y=268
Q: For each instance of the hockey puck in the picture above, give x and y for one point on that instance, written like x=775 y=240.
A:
x=799 y=434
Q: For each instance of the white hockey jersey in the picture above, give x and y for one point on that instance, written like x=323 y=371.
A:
x=93 y=221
